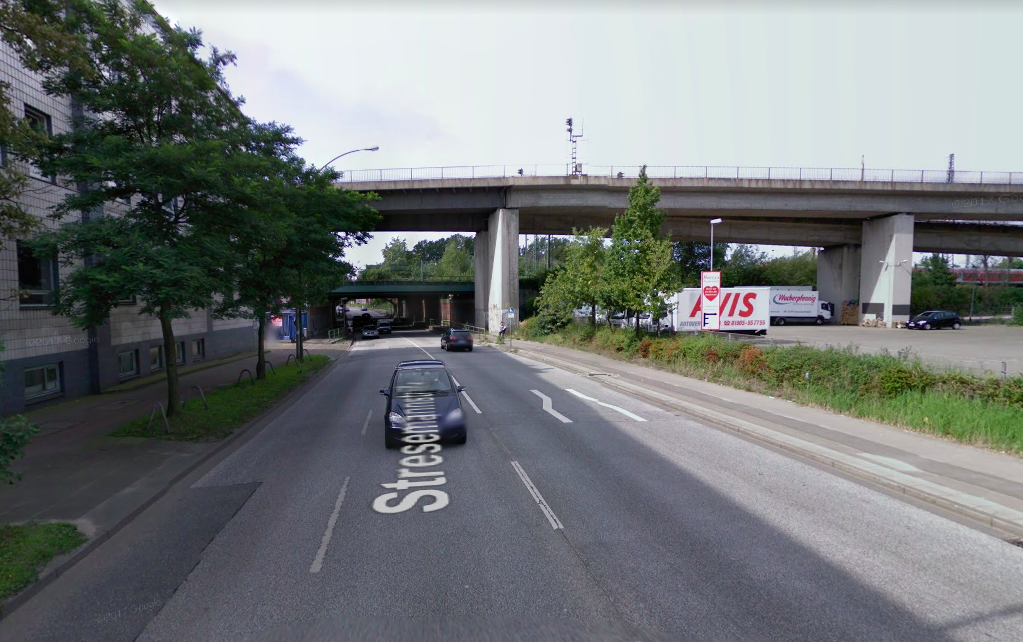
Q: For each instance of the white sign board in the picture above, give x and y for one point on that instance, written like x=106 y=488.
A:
x=710 y=300
x=739 y=309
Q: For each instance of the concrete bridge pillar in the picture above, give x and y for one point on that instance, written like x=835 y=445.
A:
x=497 y=270
x=838 y=276
x=886 y=268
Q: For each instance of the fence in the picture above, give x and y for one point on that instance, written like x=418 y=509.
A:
x=856 y=174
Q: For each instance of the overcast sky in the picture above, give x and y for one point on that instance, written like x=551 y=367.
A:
x=662 y=83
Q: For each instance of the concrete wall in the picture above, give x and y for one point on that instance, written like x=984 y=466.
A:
x=838 y=276
x=886 y=268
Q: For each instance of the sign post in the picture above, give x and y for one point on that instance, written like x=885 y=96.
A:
x=710 y=299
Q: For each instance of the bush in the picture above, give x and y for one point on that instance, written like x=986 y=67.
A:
x=15 y=433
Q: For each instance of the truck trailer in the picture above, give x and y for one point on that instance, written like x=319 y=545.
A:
x=798 y=304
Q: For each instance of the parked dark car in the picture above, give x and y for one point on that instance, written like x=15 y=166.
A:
x=423 y=396
x=456 y=339
x=934 y=319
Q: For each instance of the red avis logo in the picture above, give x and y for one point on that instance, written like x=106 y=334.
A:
x=730 y=297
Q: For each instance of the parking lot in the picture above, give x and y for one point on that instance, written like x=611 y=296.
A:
x=979 y=349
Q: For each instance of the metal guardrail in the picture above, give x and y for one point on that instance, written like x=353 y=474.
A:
x=475 y=329
x=690 y=171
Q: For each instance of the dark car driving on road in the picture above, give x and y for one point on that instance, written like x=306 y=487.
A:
x=934 y=319
x=423 y=397
x=456 y=339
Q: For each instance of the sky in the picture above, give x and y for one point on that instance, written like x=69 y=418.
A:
x=783 y=84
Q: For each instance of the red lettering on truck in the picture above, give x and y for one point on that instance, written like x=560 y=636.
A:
x=747 y=302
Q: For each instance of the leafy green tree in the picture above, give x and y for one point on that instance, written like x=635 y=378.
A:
x=36 y=30
x=800 y=269
x=745 y=266
x=937 y=272
x=639 y=262
x=165 y=142
x=692 y=258
x=533 y=258
x=457 y=261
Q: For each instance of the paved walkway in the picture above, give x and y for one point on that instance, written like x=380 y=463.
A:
x=73 y=472
x=982 y=485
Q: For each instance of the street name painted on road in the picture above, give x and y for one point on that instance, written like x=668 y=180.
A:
x=420 y=439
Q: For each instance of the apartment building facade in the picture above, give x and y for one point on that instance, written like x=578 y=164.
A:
x=47 y=359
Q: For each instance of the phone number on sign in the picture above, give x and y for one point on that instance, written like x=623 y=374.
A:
x=744 y=323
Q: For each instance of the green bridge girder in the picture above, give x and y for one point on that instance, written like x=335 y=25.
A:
x=369 y=289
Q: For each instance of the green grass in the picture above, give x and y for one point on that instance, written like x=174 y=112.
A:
x=230 y=407
x=26 y=548
x=982 y=411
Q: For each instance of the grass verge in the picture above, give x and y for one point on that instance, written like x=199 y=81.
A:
x=230 y=407
x=901 y=391
x=26 y=548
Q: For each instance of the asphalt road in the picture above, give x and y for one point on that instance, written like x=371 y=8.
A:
x=581 y=521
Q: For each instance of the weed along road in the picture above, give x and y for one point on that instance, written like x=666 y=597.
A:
x=574 y=512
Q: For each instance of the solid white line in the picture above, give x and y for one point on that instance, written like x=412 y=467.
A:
x=606 y=405
x=535 y=492
x=366 y=423
x=420 y=347
x=318 y=562
x=549 y=407
x=478 y=411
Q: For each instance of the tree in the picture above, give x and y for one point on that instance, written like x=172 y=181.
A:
x=691 y=258
x=800 y=269
x=163 y=141
x=457 y=261
x=937 y=272
x=38 y=35
x=639 y=259
x=745 y=266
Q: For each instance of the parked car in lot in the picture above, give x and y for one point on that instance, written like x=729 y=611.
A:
x=934 y=319
x=423 y=396
x=384 y=326
x=456 y=339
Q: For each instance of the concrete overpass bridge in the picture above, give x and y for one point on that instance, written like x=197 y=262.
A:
x=416 y=300
x=869 y=222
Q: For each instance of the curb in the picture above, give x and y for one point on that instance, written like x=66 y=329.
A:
x=1011 y=521
x=11 y=604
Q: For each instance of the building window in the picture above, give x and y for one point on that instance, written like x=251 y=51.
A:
x=37 y=278
x=42 y=381
x=128 y=363
x=199 y=349
x=40 y=122
x=181 y=352
x=129 y=301
x=156 y=358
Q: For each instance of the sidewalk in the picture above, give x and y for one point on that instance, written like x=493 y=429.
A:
x=73 y=472
x=982 y=485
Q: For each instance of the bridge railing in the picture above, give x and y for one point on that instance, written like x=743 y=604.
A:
x=689 y=171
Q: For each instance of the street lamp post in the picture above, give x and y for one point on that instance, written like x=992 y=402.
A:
x=712 y=224
x=367 y=149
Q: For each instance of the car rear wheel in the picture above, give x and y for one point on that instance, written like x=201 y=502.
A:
x=820 y=320
x=956 y=325
x=470 y=348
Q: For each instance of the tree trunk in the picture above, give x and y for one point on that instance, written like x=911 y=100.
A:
x=593 y=314
x=637 y=322
x=260 y=349
x=298 y=331
x=170 y=353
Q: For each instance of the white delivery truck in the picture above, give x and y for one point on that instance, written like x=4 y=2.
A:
x=744 y=310
x=798 y=304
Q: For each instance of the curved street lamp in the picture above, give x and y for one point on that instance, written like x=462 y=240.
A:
x=367 y=149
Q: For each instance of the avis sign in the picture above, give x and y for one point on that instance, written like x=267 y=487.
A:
x=710 y=300
x=742 y=309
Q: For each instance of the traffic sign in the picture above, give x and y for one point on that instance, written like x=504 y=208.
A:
x=710 y=295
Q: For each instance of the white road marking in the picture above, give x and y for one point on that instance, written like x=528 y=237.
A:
x=318 y=562
x=366 y=423
x=466 y=394
x=551 y=517
x=420 y=347
x=549 y=407
x=606 y=405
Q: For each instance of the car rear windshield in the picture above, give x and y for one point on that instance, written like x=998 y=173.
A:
x=460 y=333
x=424 y=381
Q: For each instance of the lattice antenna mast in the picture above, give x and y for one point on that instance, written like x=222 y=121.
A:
x=576 y=166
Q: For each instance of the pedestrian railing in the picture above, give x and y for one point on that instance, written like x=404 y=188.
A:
x=857 y=174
